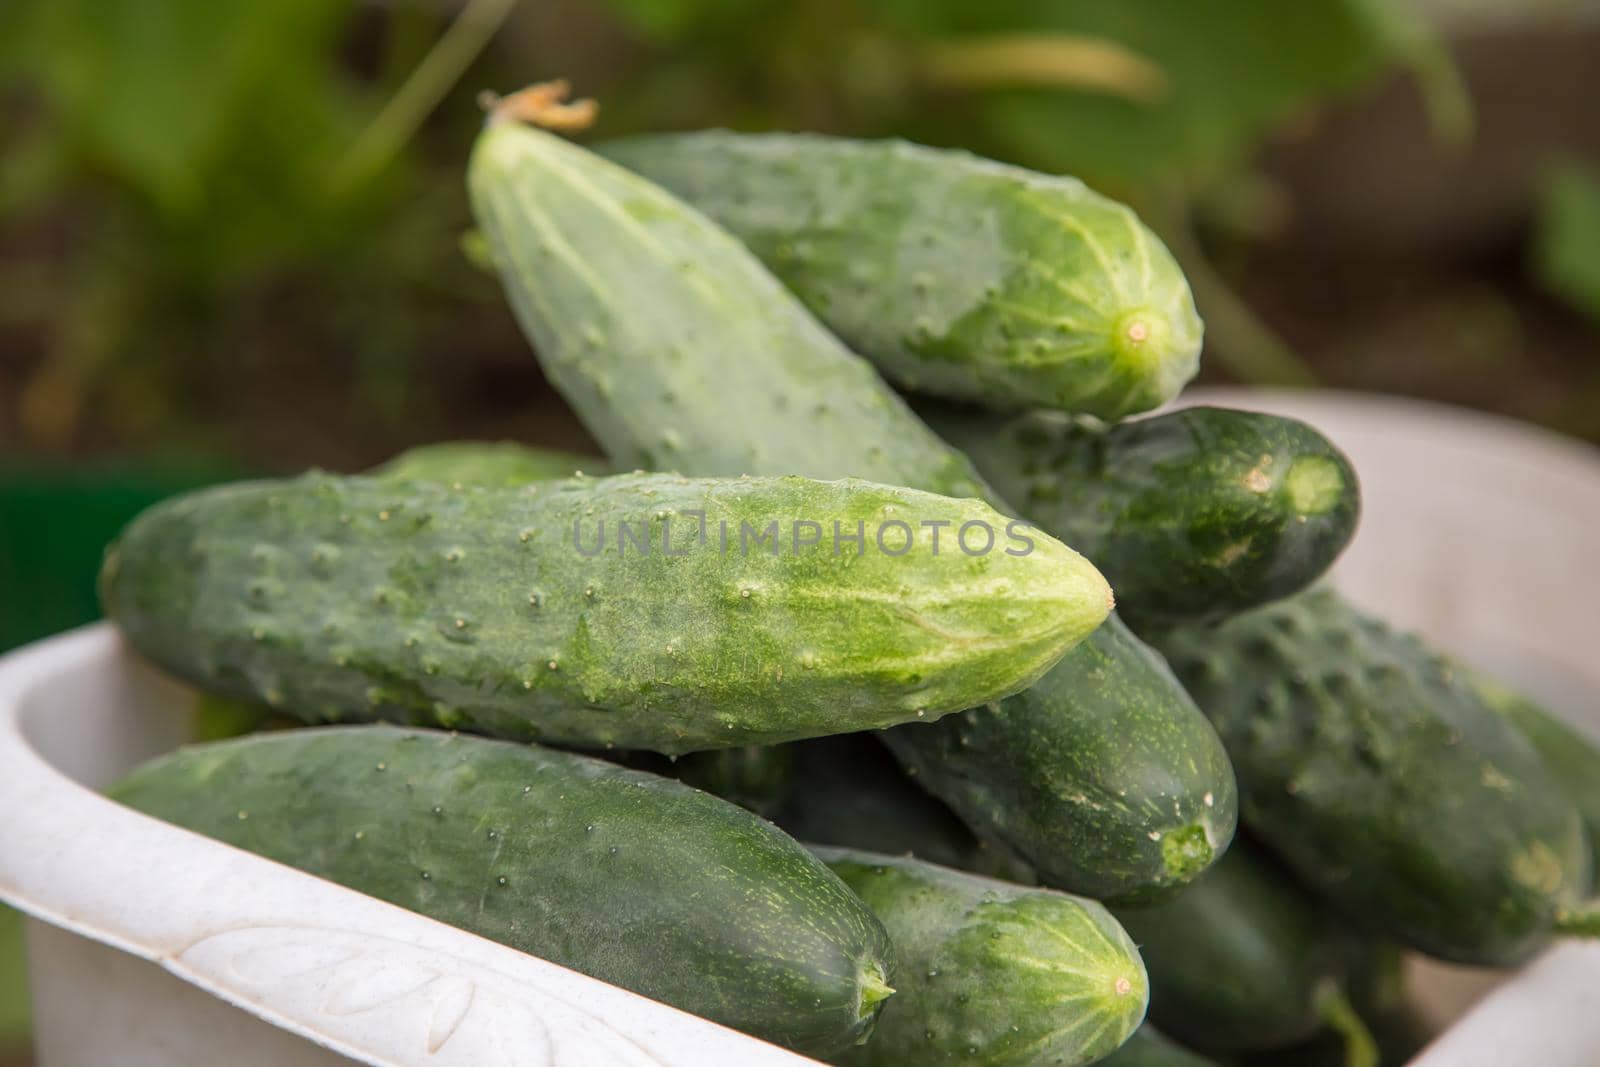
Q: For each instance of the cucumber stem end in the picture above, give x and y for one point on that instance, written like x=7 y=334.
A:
x=1335 y=1010
x=543 y=104
x=874 y=990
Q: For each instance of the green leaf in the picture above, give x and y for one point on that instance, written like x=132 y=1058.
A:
x=150 y=89
x=1566 y=255
x=1235 y=69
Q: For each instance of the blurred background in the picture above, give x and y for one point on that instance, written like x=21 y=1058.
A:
x=230 y=233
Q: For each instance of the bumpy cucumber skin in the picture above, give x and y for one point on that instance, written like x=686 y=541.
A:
x=473 y=607
x=607 y=273
x=504 y=464
x=1194 y=515
x=1012 y=769
x=1571 y=758
x=1378 y=775
x=1148 y=1047
x=634 y=879
x=990 y=974
x=848 y=792
x=1238 y=961
x=721 y=371
x=957 y=275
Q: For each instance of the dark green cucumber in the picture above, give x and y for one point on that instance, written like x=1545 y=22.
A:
x=1092 y=779
x=957 y=275
x=848 y=791
x=1243 y=960
x=679 y=350
x=758 y=777
x=533 y=612
x=489 y=463
x=1193 y=515
x=1374 y=981
x=634 y=879
x=1149 y=1047
x=1376 y=772
x=990 y=974
x=1572 y=759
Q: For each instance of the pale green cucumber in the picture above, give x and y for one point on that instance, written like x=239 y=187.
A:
x=678 y=350
x=955 y=274
x=663 y=332
x=990 y=974
x=634 y=879
x=555 y=611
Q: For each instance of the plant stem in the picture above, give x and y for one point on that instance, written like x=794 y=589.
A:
x=1360 y=1050
x=1042 y=61
x=438 y=72
x=1235 y=336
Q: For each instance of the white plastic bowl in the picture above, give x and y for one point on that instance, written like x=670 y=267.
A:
x=153 y=947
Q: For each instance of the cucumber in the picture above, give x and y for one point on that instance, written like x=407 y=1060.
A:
x=1572 y=759
x=848 y=791
x=664 y=333
x=490 y=463
x=757 y=777
x=533 y=613
x=1198 y=514
x=1374 y=981
x=1149 y=1047
x=630 y=878
x=957 y=275
x=1379 y=776
x=1096 y=779
x=1242 y=961
x=991 y=974
x=679 y=350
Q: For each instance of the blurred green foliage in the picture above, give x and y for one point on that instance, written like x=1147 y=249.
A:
x=183 y=152
x=211 y=125
x=1567 y=243
x=194 y=157
x=1229 y=71
x=1235 y=69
